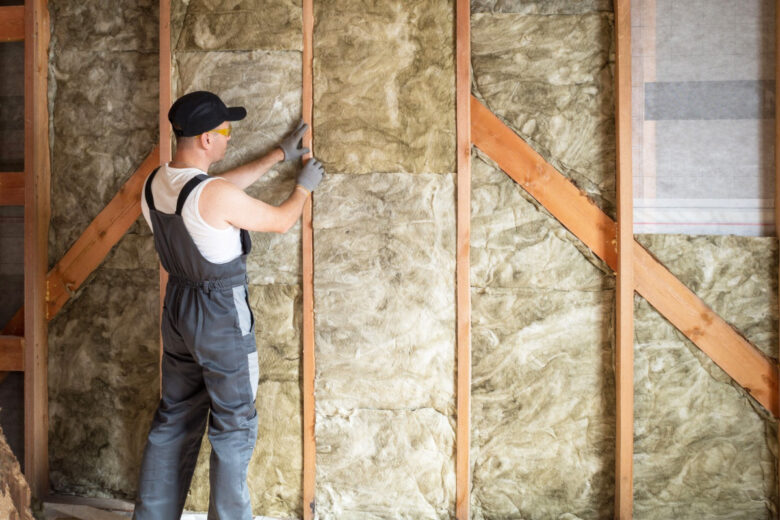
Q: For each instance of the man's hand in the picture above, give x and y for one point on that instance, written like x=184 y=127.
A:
x=292 y=145
x=310 y=175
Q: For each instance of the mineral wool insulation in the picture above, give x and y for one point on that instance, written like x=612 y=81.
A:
x=384 y=229
x=103 y=345
x=702 y=448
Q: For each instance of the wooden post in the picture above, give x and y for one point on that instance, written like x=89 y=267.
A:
x=309 y=442
x=36 y=236
x=624 y=341
x=777 y=159
x=462 y=277
x=164 y=124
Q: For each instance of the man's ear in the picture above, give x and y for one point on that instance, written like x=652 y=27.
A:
x=205 y=140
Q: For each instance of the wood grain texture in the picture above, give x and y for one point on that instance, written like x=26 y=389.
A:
x=12 y=23
x=624 y=340
x=309 y=443
x=165 y=151
x=12 y=353
x=11 y=188
x=777 y=153
x=750 y=368
x=36 y=235
x=462 y=279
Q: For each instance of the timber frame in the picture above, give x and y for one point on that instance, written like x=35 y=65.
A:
x=624 y=302
x=23 y=343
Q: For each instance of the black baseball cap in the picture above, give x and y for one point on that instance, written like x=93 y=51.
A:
x=201 y=111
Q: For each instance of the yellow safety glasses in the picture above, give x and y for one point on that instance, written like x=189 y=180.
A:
x=224 y=131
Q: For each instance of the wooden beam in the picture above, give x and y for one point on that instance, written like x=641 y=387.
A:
x=36 y=236
x=112 y=504
x=624 y=332
x=166 y=153
x=777 y=167
x=462 y=275
x=309 y=442
x=747 y=365
x=11 y=23
x=102 y=234
x=11 y=354
x=11 y=188
x=563 y=199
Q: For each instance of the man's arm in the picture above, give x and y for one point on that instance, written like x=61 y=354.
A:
x=223 y=204
x=245 y=175
x=289 y=149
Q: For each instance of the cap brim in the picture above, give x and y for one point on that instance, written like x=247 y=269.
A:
x=236 y=113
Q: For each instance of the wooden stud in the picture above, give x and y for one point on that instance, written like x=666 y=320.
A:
x=462 y=276
x=747 y=365
x=624 y=340
x=777 y=161
x=11 y=188
x=11 y=353
x=309 y=442
x=166 y=153
x=36 y=236
x=12 y=23
x=102 y=234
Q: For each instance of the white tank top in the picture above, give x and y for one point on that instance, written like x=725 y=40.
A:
x=218 y=246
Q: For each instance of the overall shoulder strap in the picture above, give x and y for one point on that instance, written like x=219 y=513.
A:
x=148 y=190
x=187 y=189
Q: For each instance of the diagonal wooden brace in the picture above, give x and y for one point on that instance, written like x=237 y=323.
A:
x=86 y=254
x=739 y=358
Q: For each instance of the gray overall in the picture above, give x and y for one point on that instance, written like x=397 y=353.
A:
x=209 y=363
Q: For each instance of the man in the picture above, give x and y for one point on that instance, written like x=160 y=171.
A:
x=209 y=363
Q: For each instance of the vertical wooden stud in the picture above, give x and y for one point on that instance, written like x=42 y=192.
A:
x=777 y=155
x=463 y=284
x=309 y=445
x=36 y=235
x=164 y=124
x=624 y=359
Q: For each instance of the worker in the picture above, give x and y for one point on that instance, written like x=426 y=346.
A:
x=209 y=364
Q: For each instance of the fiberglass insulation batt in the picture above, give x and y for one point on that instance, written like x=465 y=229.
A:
x=103 y=344
x=384 y=235
x=702 y=448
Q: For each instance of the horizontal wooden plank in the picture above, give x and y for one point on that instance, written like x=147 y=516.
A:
x=11 y=353
x=739 y=358
x=12 y=23
x=11 y=188
x=97 y=240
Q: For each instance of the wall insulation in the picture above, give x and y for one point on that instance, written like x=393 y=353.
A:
x=384 y=234
x=103 y=345
x=702 y=448
x=249 y=52
x=543 y=398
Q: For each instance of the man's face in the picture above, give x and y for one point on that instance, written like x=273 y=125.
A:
x=220 y=141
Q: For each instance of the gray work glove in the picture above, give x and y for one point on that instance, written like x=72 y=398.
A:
x=311 y=174
x=292 y=145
